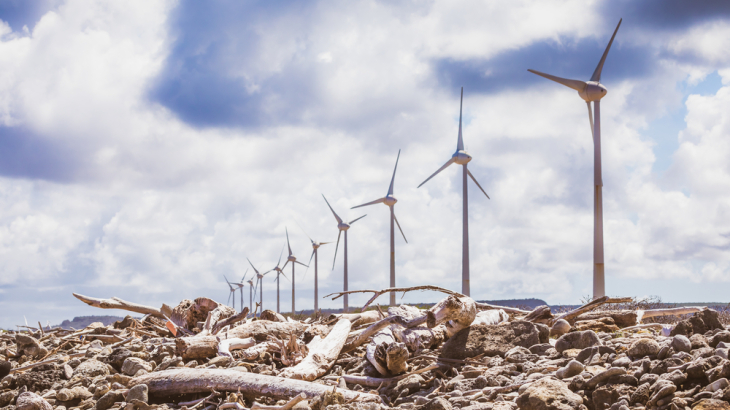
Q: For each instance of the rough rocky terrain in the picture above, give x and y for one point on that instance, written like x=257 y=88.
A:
x=201 y=355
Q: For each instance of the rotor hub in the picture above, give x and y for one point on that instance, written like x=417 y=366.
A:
x=316 y=245
x=461 y=157
x=343 y=226
x=292 y=258
x=593 y=91
x=390 y=200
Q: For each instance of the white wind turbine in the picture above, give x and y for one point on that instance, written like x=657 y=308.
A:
x=342 y=226
x=293 y=259
x=461 y=157
x=232 y=292
x=259 y=284
x=241 y=285
x=593 y=90
x=279 y=271
x=390 y=201
x=250 y=295
x=315 y=247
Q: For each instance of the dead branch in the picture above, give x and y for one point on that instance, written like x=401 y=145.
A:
x=487 y=306
x=457 y=312
x=569 y=316
x=377 y=293
x=377 y=381
x=322 y=354
x=290 y=404
x=225 y=346
x=116 y=303
x=371 y=330
x=644 y=314
x=250 y=385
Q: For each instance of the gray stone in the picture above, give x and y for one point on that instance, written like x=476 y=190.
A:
x=621 y=362
x=719 y=337
x=490 y=340
x=92 y=368
x=132 y=365
x=605 y=375
x=543 y=332
x=220 y=361
x=643 y=347
x=577 y=340
x=571 y=369
x=560 y=327
x=438 y=403
x=681 y=343
x=109 y=399
x=31 y=401
x=540 y=349
x=139 y=392
x=548 y=394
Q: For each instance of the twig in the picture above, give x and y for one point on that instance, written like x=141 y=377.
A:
x=229 y=321
x=378 y=293
x=375 y=381
x=30 y=366
x=116 y=303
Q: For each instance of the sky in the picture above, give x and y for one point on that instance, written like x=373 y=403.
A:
x=148 y=148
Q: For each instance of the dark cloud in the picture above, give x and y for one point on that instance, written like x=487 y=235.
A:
x=665 y=14
x=576 y=60
x=19 y=13
x=25 y=154
x=210 y=77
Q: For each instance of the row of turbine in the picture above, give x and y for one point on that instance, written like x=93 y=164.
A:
x=589 y=91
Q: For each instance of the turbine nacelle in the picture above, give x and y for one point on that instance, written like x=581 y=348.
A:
x=343 y=226
x=461 y=157
x=291 y=258
x=593 y=91
x=389 y=200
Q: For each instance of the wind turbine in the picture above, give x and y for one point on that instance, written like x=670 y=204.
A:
x=279 y=271
x=259 y=284
x=250 y=295
x=461 y=157
x=593 y=90
x=315 y=246
x=390 y=201
x=241 y=285
x=232 y=294
x=343 y=227
x=293 y=259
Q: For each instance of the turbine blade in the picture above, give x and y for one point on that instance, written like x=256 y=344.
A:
x=597 y=74
x=355 y=220
x=284 y=275
x=336 y=247
x=590 y=118
x=244 y=275
x=280 y=255
x=399 y=228
x=301 y=263
x=305 y=232
x=285 y=263
x=339 y=220
x=324 y=243
x=308 y=263
x=229 y=298
x=377 y=201
x=390 y=190
x=577 y=85
x=224 y=277
x=287 y=240
x=254 y=268
x=475 y=181
x=460 y=142
x=449 y=162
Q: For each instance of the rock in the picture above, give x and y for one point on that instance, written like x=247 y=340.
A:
x=92 y=368
x=681 y=343
x=132 y=365
x=221 y=361
x=605 y=375
x=621 y=362
x=719 y=384
x=108 y=400
x=643 y=347
x=139 y=392
x=718 y=372
x=711 y=319
x=31 y=401
x=78 y=392
x=68 y=372
x=641 y=395
x=438 y=403
x=604 y=324
x=698 y=341
x=589 y=352
x=719 y=337
x=4 y=368
x=571 y=369
x=543 y=332
x=540 y=349
x=711 y=404
x=676 y=377
x=683 y=327
x=490 y=340
x=560 y=327
x=699 y=323
x=548 y=394
x=577 y=340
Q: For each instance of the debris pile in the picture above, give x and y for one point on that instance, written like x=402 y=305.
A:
x=202 y=355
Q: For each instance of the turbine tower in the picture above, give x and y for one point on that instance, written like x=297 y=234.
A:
x=278 y=271
x=293 y=259
x=259 y=284
x=461 y=157
x=343 y=227
x=315 y=246
x=250 y=295
x=232 y=292
x=390 y=201
x=593 y=90
x=241 y=285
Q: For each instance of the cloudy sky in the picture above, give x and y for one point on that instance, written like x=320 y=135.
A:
x=147 y=148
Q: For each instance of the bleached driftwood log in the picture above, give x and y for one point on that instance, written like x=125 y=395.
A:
x=254 y=352
x=490 y=317
x=378 y=293
x=250 y=385
x=645 y=314
x=363 y=336
x=226 y=345
x=417 y=338
x=377 y=381
x=322 y=354
x=116 y=303
x=540 y=314
x=272 y=316
x=288 y=405
x=195 y=347
x=218 y=326
x=188 y=313
x=455 y=312
x=487 y=306
x=386 y=354
x=262 y=329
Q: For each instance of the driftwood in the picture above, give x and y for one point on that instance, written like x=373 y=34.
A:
x=491 y=317
x=487 y=306
x=456 y=312
x=622 y=318
x=250 y=385
x=377 y=381
x=188 y=313
x=225 y=346
x=363 y=336
x=322 y=354
x=288 y=405
x=272 y=316
x=230 y=321
x=196 y=347
x=645 y=314
x=378 y=293
x=116 y=303
x=377 y=353
x=417 y=338
x=262 y=329
x=540 y=314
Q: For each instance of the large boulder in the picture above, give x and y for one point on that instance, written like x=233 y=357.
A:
x=31 y=401
x=92 y=368
x=577 y=340
x=699 y=323
x=643 y=347
x=621 y=318
x=490 y=340
x=548 y=394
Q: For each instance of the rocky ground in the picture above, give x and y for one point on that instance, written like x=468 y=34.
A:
x=459 y=354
